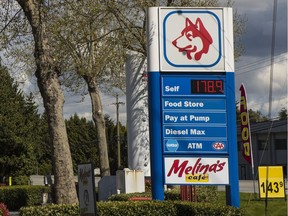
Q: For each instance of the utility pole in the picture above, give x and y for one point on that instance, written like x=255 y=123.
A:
x=272 y=58
x=118 y=130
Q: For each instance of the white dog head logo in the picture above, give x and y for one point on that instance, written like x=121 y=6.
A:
x=194 y=40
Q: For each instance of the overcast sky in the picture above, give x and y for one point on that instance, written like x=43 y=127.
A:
x=252 y=69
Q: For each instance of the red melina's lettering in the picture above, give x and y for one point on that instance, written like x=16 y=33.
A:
x=197 y=168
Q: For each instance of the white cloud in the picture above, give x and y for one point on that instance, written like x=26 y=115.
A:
x=82 y=106
x=256 y=79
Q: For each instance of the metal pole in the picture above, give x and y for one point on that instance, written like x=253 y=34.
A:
x=118 y=132
x=272 y=58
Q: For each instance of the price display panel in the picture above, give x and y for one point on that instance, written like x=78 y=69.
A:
x=271 y=182
x=194 y=114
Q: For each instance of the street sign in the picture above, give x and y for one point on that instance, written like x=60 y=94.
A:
x=86 y=188
x=271 y=182
x=192 y=116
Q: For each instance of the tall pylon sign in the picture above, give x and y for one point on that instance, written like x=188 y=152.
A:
x=192 y=116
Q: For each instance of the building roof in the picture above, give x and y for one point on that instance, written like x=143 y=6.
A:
x=275 y=126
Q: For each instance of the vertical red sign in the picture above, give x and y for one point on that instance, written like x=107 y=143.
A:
x=245 y=126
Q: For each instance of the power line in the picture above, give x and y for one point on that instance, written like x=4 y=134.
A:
x=257 y=65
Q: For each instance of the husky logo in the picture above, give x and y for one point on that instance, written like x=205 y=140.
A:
x=194 y=40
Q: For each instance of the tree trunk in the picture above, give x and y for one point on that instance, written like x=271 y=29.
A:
x=98 y=118
x=53 y=98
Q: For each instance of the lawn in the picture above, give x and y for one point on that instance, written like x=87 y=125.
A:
x=253 y=206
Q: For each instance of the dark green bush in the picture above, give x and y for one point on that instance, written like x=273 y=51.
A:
x=50 y=210
x=126 y=197
x=137 y=208
x=207 y=194
x=21 y=180
x=203 y=194
x=17 y=196
x=173 y=194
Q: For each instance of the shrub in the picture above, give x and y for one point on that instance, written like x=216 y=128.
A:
x=207 y=194
x=3 y=210
x=203 y=194
x=137 y=208
x=17 y=196
x=126 y=197
x=50 y=210
x=21 y=180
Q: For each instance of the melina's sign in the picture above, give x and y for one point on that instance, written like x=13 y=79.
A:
x=196 y=170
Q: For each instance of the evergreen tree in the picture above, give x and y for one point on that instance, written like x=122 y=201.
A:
x=19 y=127
x=43 y=149
x=82 y=140
x=111 y=136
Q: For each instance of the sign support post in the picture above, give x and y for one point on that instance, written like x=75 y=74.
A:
x=154 y=104
x=232 y=193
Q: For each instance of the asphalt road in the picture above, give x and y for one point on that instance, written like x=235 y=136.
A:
x=247 y=186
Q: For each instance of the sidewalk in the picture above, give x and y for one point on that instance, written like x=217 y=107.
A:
x=245 y=186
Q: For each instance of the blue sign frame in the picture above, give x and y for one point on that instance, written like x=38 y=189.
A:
x=224 y=106
x=182 y=123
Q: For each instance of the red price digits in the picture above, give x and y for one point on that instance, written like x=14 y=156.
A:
x=198 y=86
x=219 y=85
x=207 y=86
x=211 y=86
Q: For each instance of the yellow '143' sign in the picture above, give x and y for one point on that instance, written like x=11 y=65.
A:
x=271 y=182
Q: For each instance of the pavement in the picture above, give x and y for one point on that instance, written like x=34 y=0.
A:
x=245 y=186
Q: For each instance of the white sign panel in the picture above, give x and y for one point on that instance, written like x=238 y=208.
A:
x=196 y=170
x=193 y=39
x=86 y=188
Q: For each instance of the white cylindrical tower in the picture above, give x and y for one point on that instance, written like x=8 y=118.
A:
x=137 y=114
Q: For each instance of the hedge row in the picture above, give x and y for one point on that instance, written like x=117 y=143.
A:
x=137 y=208
x=16 y=197
x=203 y=194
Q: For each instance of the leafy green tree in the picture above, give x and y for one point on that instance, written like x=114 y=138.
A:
x=130 y=17
x=47 y=73
x=20 y=127
x=82 y=140
x=111 y=134
x=254 y=116
x=282 y=114
x=43 y=151
x=89 y=49
x=257 y=116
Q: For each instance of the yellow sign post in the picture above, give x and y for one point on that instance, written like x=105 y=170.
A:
x=271 y=182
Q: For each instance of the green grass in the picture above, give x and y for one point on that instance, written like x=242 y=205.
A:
x=253 y=206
